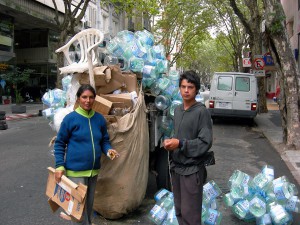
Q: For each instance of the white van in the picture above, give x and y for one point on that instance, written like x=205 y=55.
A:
x=233 y=94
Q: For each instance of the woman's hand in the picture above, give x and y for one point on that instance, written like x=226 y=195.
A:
x=58 y=174
x=112 y=154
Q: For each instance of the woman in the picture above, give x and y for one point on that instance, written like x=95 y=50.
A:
x=81 y=139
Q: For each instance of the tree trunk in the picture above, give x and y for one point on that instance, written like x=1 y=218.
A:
x=289 y=83
x=252 y=27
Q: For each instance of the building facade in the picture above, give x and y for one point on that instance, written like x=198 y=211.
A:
x=29 y=37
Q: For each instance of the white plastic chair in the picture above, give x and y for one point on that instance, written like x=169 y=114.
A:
x=88 y=41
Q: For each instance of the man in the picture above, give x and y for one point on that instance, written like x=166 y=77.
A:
x=192 y=139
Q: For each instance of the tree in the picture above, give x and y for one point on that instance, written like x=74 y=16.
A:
x=229 y=31
x=181 y=22
x=74 y=12
x=18 y=78
x=289 y=82
x=252 y=22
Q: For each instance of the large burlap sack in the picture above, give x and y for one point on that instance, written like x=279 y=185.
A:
x=122 y=183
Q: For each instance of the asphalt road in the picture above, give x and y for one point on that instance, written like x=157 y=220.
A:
x=25 y=156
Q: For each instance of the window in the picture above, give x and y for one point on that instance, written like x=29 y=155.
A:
x=225 y=83
x=242 y=84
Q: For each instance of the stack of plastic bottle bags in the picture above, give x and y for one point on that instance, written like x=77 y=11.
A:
x=262 y=199
x=163 y=212
x=60 y=102
x=139 y=54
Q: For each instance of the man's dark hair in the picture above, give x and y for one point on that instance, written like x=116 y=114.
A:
x=83 y=88
x=192 y=77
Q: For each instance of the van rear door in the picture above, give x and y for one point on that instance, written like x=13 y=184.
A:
x=224 y=91
x=243 y=89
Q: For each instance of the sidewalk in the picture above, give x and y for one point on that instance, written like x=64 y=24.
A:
x=32 y=109
x=270 y=125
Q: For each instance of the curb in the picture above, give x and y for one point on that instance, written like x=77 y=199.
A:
x=20 y=116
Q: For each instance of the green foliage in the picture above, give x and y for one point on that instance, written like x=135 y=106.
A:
x=134 y=7
x=19 y=98
x=278 y=20
x=17 y=78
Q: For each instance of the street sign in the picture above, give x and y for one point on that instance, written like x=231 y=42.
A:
x=268 y=60
x=259 y=73
x=246 y=62
x=259 y=63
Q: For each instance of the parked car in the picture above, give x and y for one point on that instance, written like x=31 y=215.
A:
x=233 y=94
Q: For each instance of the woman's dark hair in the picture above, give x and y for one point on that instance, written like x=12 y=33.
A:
x=192 y=77
x=83 y=88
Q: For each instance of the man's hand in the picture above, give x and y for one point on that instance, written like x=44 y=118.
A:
x=171 y=144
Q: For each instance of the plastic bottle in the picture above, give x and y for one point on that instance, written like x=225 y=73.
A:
x=161 y=194
x=238 y=178
x=147 y=82
x=257 y=205
x=282 y=191
x=110 y=60
x=161 y=65
x=204 y=213
x=214 y=217
x=239 y=191
x=199 y=98
x=157 y=214
x=229 y=200
x=174 y=77
x=158 y=52
x=210 y=191
x=268 y=171
x=171 y=218
x=167 y=202
x=126 y=36
x=174 y=104
x=166 y=126
x=162 y=102
x=278 y=214
x=241 y=208
x=293 y=204
x=264 y=220
x=259 y=182
x=213 y=204
x=138 y=50
x=115 y=48
x=154 y=89
x=163 y=83
x=170 y=90
x=149 y=71
x=145 y=37
x=177 y=96
x=249 y=218
x=136 y=64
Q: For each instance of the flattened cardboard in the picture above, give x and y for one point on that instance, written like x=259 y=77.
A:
x=66 y=194
x=102 y=105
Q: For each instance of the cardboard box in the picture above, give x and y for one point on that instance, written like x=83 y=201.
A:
x=109 y=79
x=102 y=105
x=122 y=99
x=66 y=194
x=102 y=76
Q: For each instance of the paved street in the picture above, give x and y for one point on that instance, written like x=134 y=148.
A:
x=25 y=155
